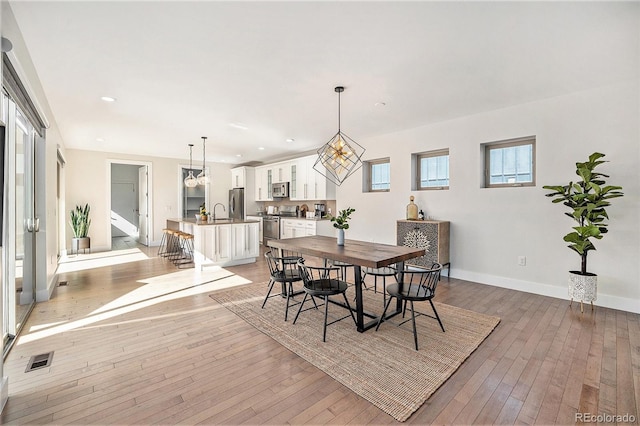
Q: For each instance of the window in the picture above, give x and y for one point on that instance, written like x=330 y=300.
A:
x=510 y=163
x=431 y=170
x=377 y=175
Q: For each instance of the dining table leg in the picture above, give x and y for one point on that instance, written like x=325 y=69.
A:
x=359 y=307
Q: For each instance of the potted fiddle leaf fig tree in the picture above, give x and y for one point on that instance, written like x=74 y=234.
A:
x=587 y=200
x=80 y=223
x=341 y=223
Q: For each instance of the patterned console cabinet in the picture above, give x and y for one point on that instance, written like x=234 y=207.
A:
x=431 y=235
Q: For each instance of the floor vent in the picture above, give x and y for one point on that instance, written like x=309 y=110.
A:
x=62 y=283
x=39 y=361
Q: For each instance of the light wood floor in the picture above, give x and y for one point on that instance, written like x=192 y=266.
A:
x=124 y=355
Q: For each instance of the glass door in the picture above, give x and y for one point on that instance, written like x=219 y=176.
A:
x=20 y=220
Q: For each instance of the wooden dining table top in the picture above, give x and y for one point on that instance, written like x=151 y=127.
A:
x=362 y=253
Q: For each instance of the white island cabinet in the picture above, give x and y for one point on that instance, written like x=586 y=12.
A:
x=225 y=244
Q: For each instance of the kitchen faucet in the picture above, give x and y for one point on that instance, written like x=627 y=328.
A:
x=214 y=209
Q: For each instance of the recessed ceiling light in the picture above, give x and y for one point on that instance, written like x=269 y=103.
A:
x=261 y=148
x=290 y=140
x=238 y=126
x=238 y=155
x=380 y=104
x=100 y=139
x=108 y=99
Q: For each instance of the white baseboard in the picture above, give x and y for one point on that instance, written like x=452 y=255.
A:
x=4 y=392
x=604 y=300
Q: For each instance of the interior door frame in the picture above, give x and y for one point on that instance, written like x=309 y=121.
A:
x=149 y=165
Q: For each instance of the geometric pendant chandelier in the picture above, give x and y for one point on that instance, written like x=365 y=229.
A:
x=190 y=181
x=341 y=156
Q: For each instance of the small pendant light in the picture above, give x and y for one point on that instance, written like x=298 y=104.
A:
x=203 y=179
x=190 y=181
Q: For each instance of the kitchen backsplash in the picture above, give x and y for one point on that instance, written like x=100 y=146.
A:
x=330 y=204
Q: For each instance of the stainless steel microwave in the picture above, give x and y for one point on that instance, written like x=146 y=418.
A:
x=280 y=190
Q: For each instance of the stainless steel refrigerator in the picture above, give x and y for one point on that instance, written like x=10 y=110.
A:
x=236 y=203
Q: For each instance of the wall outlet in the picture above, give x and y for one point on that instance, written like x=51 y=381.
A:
x=522 y=260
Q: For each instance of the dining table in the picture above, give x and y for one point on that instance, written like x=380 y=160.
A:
x=360 y=254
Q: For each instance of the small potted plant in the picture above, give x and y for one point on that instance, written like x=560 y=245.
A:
x=203 y=213
x=80 y=223
x=341 y=223
x=587 y=200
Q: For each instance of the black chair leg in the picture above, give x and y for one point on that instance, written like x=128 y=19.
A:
x=383 y=313
x=349 y=307
x=289 y=293
x=437 y=316
x=300 y=308
x=413 y=320
x=271 y=282
x=326 y=313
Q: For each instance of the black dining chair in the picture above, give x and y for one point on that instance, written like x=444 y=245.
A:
x=323 y=282
x=384 y=273
x=283 y=270
x=417 y=285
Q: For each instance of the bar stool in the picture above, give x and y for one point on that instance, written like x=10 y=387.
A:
x=186 y=249
x=162 y=249
x=384 y=272
x=172 y=244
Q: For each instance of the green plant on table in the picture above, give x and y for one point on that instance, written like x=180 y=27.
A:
x=341 y=221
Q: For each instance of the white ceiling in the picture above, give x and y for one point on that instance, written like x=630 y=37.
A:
x=181 y=70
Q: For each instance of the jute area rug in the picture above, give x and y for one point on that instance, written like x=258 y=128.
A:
x=381 y=366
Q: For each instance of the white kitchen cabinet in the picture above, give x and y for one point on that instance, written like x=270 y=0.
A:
x=263 y=181
x=307 y=183
x=282 y=172
x=245 y=241
x=291 y=228
x=260 y=226
x=226 y=245
x=212 y=244
x=238 y=177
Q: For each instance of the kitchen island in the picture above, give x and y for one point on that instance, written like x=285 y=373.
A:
x=223 y=242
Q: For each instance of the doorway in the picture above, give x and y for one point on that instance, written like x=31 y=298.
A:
x=129 y=204
x=20 y=220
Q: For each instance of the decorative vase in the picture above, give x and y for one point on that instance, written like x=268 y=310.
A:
x=583 y=287
x=340 y=237
x=412 y=210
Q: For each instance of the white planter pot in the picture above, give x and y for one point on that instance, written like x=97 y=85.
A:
x=583 y=287
x=340 y=237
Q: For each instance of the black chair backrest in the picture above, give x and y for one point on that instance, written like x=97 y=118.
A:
x=282 y=266
x=320 y=276
x=422 y=282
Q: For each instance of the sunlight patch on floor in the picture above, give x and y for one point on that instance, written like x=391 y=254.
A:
x=157 y=293
x=81 y=262
x=167 y=283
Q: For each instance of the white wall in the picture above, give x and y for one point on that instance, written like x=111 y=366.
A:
x=490 y=228
x=87 y=181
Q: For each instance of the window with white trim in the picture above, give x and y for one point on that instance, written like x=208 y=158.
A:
x=510 y=163
x=377 y=175
x=431 y=170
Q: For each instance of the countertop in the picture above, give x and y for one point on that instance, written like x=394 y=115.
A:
x=291 y=217
x=222 y=221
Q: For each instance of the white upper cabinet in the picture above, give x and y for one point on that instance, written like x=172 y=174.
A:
x=305 y=182
x=263 y=181
x=308 y=183
x=282 y=172
x=238 y=177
